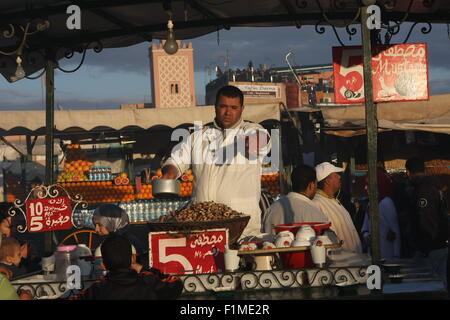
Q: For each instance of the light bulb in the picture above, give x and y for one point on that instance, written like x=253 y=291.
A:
x=171 y=45
x=20 y=72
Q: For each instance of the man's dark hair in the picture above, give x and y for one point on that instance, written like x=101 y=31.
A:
x=321 y=184
x=116 y=252
x=4 y=207
x=230 y=92
x=301 y=177
x=415 y=165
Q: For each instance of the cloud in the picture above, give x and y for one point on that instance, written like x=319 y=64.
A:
x=439 y=86
x=67 y=103
x=263 y=45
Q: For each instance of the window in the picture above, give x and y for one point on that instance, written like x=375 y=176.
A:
x=174 y=88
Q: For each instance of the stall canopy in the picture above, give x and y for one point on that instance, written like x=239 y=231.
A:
x=431 y=116
x=33 y=122
x=121 y=23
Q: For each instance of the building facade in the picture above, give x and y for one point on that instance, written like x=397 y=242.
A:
x=172 y=76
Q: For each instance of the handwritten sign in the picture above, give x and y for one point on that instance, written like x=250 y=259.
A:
x=49 y=214
x=198 y=252
x=399 y=73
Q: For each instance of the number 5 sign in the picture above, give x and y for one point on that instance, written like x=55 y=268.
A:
x=198 y=252
x=49 y=214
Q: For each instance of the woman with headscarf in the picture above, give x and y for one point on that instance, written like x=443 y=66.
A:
x=111 y=219
x=388 y=220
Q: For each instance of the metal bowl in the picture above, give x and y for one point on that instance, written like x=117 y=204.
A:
x=165 y=188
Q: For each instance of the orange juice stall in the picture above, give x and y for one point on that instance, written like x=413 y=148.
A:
x=112 y=156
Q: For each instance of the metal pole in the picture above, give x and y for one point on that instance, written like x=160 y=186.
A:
x=49 y=146
x=372 y=131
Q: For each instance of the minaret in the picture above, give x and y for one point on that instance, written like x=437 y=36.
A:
x=173 y=83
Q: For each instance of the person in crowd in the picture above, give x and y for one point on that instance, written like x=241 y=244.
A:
x=11 y=256
x=430 y=221
x=5 y=219
x=329 y=183
x=7 y=291
x=231 y=178
x=297 y=206
x=122 y=282
x=390 y=241
x=112 y=219
x=402 y=198
x=29 y=261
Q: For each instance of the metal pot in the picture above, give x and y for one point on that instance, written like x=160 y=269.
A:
x=165 y=188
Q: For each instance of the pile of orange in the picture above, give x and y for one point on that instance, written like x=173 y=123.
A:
x=100 y=191
x=186 y=189
x=270 y=182
x=78 y=165
x=146 y=192
x=106 y=191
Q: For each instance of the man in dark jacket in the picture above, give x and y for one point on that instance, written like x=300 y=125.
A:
x=124 y=283
x=430 y=226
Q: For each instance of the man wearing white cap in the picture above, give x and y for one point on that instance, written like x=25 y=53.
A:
x=329 y=183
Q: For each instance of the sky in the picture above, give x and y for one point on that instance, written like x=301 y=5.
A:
x=122 y=76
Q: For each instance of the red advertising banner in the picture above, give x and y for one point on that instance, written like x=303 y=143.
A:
x=49 y=214
x=399 y=73
x=198 y=252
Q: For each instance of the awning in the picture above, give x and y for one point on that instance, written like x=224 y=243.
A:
x=122 y=23
x=431 y=116
x=33 y=122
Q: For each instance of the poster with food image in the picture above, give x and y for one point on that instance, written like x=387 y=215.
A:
x=399 y=73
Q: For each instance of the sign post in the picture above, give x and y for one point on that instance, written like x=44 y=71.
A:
x=372 y=137
x=49 y=214
x=399 y=73
x=176 y=252
x=46 y=209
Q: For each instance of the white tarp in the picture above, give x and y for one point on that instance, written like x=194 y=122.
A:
x=432 y=115
x=26 y=121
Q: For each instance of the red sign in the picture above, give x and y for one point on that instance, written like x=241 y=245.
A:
x=197 y=252
x=49 y=214
x=399 y=73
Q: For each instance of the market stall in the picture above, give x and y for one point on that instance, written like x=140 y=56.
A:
x=271 y=13
x=112 y=156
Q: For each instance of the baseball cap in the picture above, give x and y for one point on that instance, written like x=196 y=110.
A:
x=324 y=169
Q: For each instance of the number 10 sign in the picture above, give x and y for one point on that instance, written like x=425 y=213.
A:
x=49 y=214
x=197 y=252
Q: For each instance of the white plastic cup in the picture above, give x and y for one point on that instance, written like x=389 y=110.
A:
x=48 y=263
x=231 y=260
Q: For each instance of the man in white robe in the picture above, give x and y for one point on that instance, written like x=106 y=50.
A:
x=297 y=206
x=329 y=183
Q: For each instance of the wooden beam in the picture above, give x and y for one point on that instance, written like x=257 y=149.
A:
x=11 y=145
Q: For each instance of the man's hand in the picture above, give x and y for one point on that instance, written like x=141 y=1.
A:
x=255 y=142
x=169 y=172
x=8 y=273
x=25 y=295
x=137 y=267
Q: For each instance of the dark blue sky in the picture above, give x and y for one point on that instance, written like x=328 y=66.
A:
x=117 y=76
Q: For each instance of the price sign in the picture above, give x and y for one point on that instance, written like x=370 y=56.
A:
x=399 y=73
x=49 y=214
x=197 y=252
